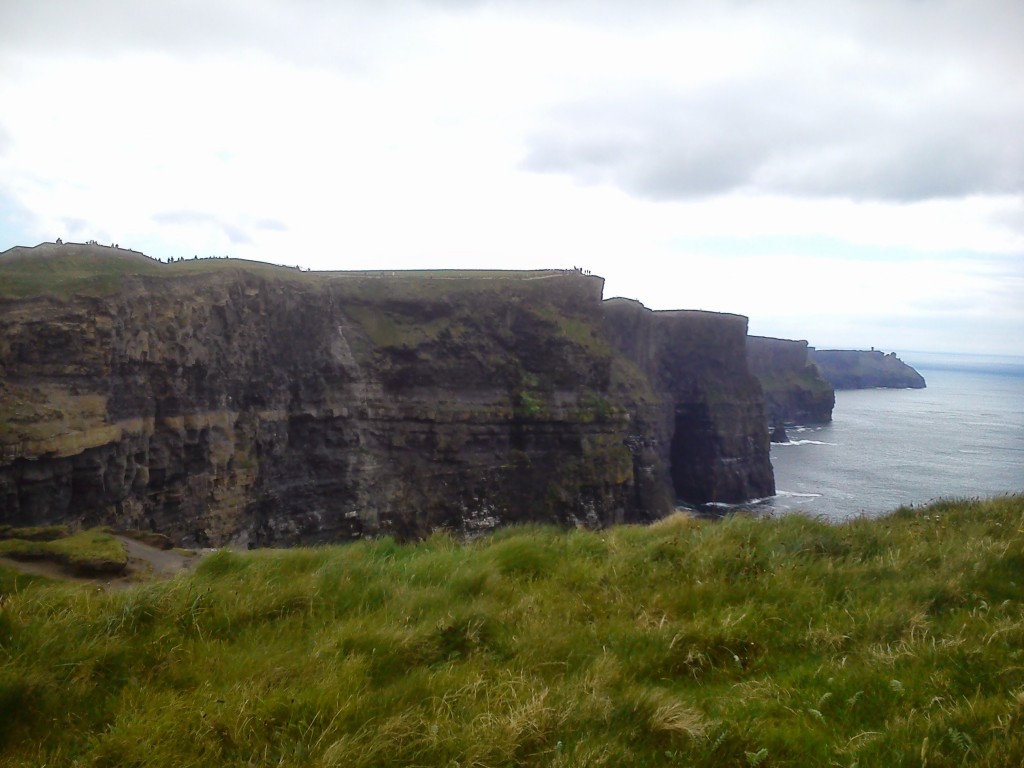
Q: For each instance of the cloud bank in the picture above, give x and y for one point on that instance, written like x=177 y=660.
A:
x=729 y=155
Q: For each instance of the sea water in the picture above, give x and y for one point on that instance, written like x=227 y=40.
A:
x=961 y=437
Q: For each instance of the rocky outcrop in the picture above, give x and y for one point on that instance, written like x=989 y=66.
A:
x=225 y=402
x=794 y=390
x=855 y=369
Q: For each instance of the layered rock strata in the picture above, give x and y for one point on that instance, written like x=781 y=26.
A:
x=711 y=406
x=225 y=402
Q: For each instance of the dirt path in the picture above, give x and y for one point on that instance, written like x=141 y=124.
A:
x=145 y=563
x=161 y=563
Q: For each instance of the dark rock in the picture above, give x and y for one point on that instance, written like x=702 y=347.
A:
x=222 y=402
x=855 y=369
x=794 y=391
x=715 y=434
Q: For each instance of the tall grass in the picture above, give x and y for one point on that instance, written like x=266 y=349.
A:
x=749 y=642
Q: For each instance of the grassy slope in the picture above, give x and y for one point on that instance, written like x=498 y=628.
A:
x=749 y=642
x=59 y=270
x=96 y=270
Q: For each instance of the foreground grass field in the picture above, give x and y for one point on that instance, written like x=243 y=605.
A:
x=774 y=642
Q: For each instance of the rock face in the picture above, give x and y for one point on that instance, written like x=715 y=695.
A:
x=219 y=401
x=854 y=369
x=794 y=390
x=711 y=405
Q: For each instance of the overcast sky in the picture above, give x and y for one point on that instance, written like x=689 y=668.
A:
x=850 y=173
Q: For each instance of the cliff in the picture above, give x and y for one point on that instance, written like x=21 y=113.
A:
x=854 y=369
x=712 y=408
x=794 y=390
x=223 y=401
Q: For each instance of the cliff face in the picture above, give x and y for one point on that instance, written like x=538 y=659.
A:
x=794 y=390
x=222 y=402
x=712 y=406
x=855 y=369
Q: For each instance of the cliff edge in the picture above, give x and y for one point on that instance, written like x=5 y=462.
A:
x=221 y=401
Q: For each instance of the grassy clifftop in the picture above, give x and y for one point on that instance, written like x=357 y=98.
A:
x=770 y=642
x=57 y=270
x=97 y=270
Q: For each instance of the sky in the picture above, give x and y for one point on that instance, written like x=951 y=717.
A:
x=846 y=172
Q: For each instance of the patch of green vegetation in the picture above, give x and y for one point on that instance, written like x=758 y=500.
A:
x=582 y=330
x=94 y=551
x=456 y=274
x=96 y=270
x=596 y=406
x=529 y=404
x=63 y=270
x=46 y=411
x=35 y=533
x=392 y=329
x=630 y=382
x=767 y=642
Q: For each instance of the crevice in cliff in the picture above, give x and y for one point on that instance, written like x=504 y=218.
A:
x=690 y=453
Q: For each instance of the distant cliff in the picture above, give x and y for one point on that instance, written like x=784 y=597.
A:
x=853 y=369
x=223 y=401
x=794 y=390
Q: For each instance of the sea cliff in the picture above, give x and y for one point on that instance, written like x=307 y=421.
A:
x=794 y=390
x=712 y=405
x=220 y=401
x=858 y=369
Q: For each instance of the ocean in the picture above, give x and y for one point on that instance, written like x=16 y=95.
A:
x=961 y=437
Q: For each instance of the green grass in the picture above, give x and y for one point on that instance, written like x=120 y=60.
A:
x=97 y=270
x=94 y=551
x=749 y=642
x=61 y=270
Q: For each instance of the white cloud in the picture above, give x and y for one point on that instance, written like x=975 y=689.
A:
x=761 y=158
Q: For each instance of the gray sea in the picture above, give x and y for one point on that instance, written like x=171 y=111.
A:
x=961 y=437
